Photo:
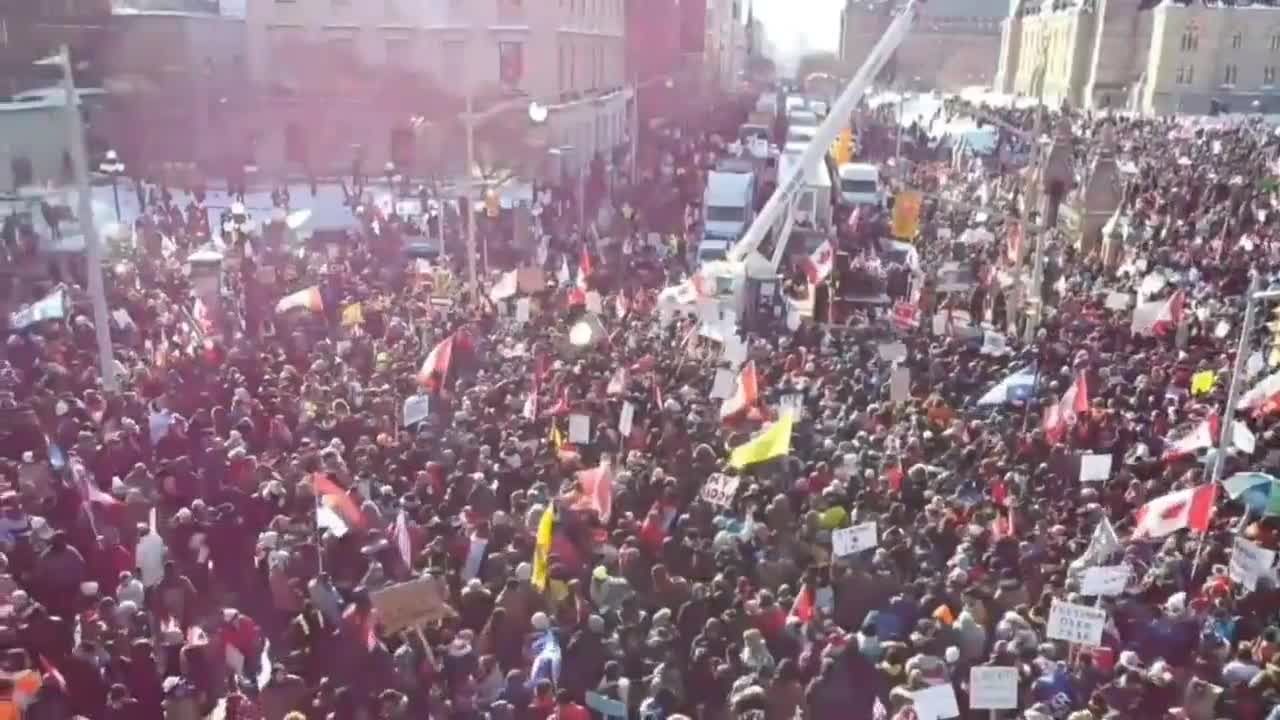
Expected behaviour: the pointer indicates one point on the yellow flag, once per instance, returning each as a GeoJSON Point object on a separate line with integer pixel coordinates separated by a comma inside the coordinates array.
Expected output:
{"type": "Point", "coordinates": [1202, 382]}
{"type": "Point", "coordinates": [906, 214]}
{"type": "Point", "coordinates": [542, 548]}
{"type": "Point", "coordinates": [557, 438]}
{"type": "Point", "coordinates": [774, 442]}
{"type": "Point", "coordinates": [353, 314]}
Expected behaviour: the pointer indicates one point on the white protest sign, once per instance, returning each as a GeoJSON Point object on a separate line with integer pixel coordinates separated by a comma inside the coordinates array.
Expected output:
{"type": "Point", "coordinates": [416, 409]}
{"type": "Point", "coordinates": [722, 386]}
{"type": "Point", "coordinates": [595, 305]}
{"type": "Point", "coordinates": [935, 703]}
{"type": "Point", "coordinates": [1118, 301]}
{"type": "Point", "coordinates": [1249, 561]}
{"type": "Point", "coordinates": [900, 385]}
{"type": "Point", "coordinates": [1095, 467]}
{"type": "Point", "coordinates": [523, 308]}
{"type": "Point", "coordinates": [1107, 581]}
{"type": "Point", "coordinates": [720, 489]}
{"type": "Point", "coordinates": [794, 403]}
{"type": "Point", "coordinates": [892, 351]}
{"type": "Point", "coordinates": [1075, 623]}
{"type": "Point", "coordinates": [847, 541]}
{"type": "Point", "coordinates": [993, 688]}
{"type": "Point", "coordinates": [734, 350]}
{"type": "Point", "coordinates": [579, 429]}
{"type": "Point", "coordinates": [625, 418]}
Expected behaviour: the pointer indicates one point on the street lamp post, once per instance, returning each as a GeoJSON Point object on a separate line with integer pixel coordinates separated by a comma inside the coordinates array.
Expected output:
{"type": "Point", "coordinates": [112, 166]}
{"type": "Point", "coordinates": [92, 247]}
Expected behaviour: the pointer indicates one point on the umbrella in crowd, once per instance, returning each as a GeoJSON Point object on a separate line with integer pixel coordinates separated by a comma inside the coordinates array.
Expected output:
{"type": "Point", "coordinates": [975, 478]}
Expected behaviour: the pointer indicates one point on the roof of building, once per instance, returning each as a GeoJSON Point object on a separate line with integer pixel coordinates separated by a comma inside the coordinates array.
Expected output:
{"type": "Point", "coordinates": [977, 9]}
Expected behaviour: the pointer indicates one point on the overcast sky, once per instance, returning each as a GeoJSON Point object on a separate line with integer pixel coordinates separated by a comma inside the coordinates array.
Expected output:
{"type": "Point", "coordinates": [796, 26]}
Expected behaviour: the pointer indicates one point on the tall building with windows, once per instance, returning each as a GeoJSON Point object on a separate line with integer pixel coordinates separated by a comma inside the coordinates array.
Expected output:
{"type": "Point", "coordinates": [1150, 56]}
{"type": "Point", "coordinates": [419, 58]}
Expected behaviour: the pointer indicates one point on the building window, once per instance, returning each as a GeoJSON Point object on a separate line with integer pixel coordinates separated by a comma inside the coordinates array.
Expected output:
{"type": "Point", "coordinates": [295, 144]}
{"type": "Point", "coordinates": [510, 63]}
{"type": "Point", "coordinates": [1190, 40]}
{"type": "Point", "coordinates": [1229, 76]}
{"type": "Point", "coordinates": [399, 52]}
{"type": "Point", "coordinates": [1269, 75]}
{"type": "Point", "coordinates": [1237, 40]}
{"type": "Point", "coordinates": [1275, 43]}
{"type": "Point", "coordinates": [402, 147]}
{"type": "Point", "coordinates": [454, 54]}
{"type": "Point", "coordinates": [23, 172]}
{"type": "Point", "coordinates": [1186, 74]}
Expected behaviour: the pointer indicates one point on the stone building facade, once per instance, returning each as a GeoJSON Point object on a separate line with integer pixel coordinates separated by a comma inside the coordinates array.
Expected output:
{"type": "Point", "coordinates": [955, 44]}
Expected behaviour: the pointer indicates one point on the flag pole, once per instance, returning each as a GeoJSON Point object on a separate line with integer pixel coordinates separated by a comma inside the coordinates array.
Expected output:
{"type": "Point", "coordinates": [1214, 471]}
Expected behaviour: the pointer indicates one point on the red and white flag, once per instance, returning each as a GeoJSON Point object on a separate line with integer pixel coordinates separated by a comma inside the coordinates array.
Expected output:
{"type": "Point", "coordinates": [401, 534]}
{"type": "Point", "coordinates": [906, 316]}
{"type": "Point", "coordinates": [1158, 317]}
{"type": "Point", "coordinates": [1191, 508]}
{"type": "Point", "coordinates": [1060, 416]}
{"type": "Point", "coordinates": [819, 264]}
{"type": "Point", "coordinates": [335, 508]}
{"type": "Point", "coordinates": [436, 367]}
{"type": "Point", "coordinates": [618, 383]}
{"type": "Point", "coordinates": [744, 396]}
{"type": "Point", "coordinates": [595, 490]}
{"type": "Point", "coordinates": [1263, 398]}
{"type": "Point", "coordinates": [308, 299]}
{"type": "Point", "coordinates": [1203, 436]}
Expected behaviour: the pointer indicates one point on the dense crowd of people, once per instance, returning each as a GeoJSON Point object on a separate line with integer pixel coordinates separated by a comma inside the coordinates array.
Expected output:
{"type": "Point", "coordinates": [578, 530]}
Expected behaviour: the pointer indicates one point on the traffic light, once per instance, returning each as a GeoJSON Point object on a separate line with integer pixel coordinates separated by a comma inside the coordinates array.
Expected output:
{"type": "Point", "coordinates": [842, 147]}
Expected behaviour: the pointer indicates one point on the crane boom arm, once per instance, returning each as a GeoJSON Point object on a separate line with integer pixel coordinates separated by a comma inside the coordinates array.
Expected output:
{"type": "Point", "coordinates": [785, 192]}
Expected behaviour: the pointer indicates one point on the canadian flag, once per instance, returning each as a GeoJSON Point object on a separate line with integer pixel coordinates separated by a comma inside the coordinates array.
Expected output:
{"type": "Point", "coordinates": [1190, 508]}
{"type": "Point", "coordinates": [401, 534]}
{"type": "Point", "coordinates": [1203, 436]}
{"type": "Point", "coordinates": [1158, 317]}
{"type": "Point", "coordinates": [744, 396]}
{"type": "Point", "coordinates": [1063, 414]}
{"type": "Point", "coordinates": [1263, 398]}
{"type": "Point", "coordinates": [308, 299]}
{"type": "Point", "coordinates": [819, 264]}
{"type": "Point", "coordinates": [436, 367]}
{"type": "Point", "coordinates": [584, 268]}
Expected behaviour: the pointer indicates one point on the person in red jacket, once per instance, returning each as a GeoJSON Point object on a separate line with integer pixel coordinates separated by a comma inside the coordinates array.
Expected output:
{"type": "Point", "coordinates": [567, 709]}
{"type": "Point", "coordinates": [241, 633]}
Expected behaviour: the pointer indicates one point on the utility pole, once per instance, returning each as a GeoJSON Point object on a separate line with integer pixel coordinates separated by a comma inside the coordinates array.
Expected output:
{"type": "Point", "coordinates": [470, 125]}
{"type": "Point", "coordinates": [92, 248]}
{"type": "Point", "coordinates": [1252, 300]}
{"type": "Point", "coordinates": [635, 131]}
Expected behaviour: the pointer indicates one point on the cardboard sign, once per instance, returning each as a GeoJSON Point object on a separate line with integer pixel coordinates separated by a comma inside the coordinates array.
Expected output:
{"type": "Point", "coordinates": [900, 385]}
{"type": "Point", "coordinates": [935, 703]}
{"type": "Point", "coordinates": [625, 418]}
{"type": "Point", "coordinates": [1074, 623]}
{"type": "Point", "coordinates": [1106, 581]}
{"type": "Point", "coordinates": [993, 688]}
{"type": "Point", "coordinates": [847, 541]}
{"type": "Point", "coordinates": [1095, 467]}
{"type": "Point", "coordinates": [522, 310]}
{"type": "Point", "coordinates": [1250, 561]}
{"type": "Point", "coordinates": [579, 429]}
{"type": "Point", "coordinates": [416, 409]}
{"type": "Point", "coordinates": [722, 386]}
{"type": "Point", "coordinates": [720, 489]}
{"type": "Point", "coordinates": [530, 280]}
{"type": "Point", "coordinates": [411, 603]}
